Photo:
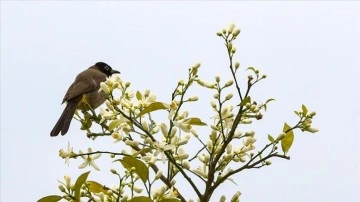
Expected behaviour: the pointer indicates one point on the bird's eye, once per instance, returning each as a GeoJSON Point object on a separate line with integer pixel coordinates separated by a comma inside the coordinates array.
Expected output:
{"type": "Point", "coordinates": [107, 68]}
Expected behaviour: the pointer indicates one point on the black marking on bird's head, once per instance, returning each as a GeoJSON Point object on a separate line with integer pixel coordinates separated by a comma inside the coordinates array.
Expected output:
{"type": "Point", "coordinates": [106, 69]}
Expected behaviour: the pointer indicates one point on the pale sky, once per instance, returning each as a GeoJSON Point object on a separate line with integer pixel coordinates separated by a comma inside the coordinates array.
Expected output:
{"type": "Point", "coordinates": [309, 51]}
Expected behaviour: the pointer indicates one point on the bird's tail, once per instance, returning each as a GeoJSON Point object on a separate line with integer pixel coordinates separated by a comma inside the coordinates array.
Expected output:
{"type": "Point", "coordinates": [64, 121]}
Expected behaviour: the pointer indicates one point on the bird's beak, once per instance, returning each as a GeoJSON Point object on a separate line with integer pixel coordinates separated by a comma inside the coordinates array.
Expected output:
{"type": "Point", "coordinates": [114, 72]}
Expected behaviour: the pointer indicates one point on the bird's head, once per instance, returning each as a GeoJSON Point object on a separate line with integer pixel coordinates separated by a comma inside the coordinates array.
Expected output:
{"type": "Point", "coordinates": [106, 69]}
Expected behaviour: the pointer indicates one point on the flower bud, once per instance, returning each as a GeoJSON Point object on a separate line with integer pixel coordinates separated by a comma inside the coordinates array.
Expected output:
{"type": "Point", "coordinates": [173, 131]}
{"type": "Point", "coordinates": [237, 134]}
{"type": "Point", "coordinates": [109, 105]}
{"type": "Point", "coordinates": [210, 144]}
{"type": "Point", "coordinates": [164, 129]}
{"type": "Point", "coordinates": [246, 121]}
{"type": "Point", "coordinates": [67, 181]}
{"type": "Point", "coordinates": [250, 133]}
{"type": "Point", "coordinates": [219, 33]}
{"type": "Point", "coordinates": [229, 148]}
{"type": "Point", "coordinates": [186, 164]}
{"type": "Point", "coordinates": [281, 136]}
{"type": "Point", "coordinates": [229, 96]}
{"type": "Point", "coordinates": [231, 27]}
{"type": "Point", "coordinates": [252, 107]}
{"type": "Point", "coordinates": [61, 187]}
{"type": "Point", "coordinates": [235, 198]}
{"type": "Point", "coordinates": [312, 129]}
{"type": "Point", "coordinates": [193, 99]}
{"type": "Point", "coordinates": [137, 189]}
{"type": "Point", "coordinates": [194, 133]}
{"type": "Point", "coordinates": [236, 32]}
{"type": "Point", "coordinates": [233, 50]}
{"type": "Point", "coordinates": [113, 171]}
{"type": "Point", "coordinates": [229, 83]}
{"type": "Point", "coordinates": [197, 65]}
{"type": "Point", "coordinates": [213, 103]}
{"type": "Point", "coordinates": [230, 45]}
{"type": "Point", "coordinates": [158, 174]}
{"type": "Point", "coordinates": [217, 79]}
{"type": "Point", "coordinates": [237, 65]}
{"type": "Point", "coordinates": [132, 143]}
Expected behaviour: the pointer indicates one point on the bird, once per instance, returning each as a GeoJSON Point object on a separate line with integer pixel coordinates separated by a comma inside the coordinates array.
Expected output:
{"type": "Point", "coordinates": [83, 94]}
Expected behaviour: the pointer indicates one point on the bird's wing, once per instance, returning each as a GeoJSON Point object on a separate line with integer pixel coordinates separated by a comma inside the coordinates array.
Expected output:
{"type": "Point", "coordinates": [85, 82]}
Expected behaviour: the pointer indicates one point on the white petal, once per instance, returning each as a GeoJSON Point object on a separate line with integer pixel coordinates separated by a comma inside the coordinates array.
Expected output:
{"type": "Point", "coordinates": [83, 165]}
{"type": "Point", "coordinates": [93, 164]}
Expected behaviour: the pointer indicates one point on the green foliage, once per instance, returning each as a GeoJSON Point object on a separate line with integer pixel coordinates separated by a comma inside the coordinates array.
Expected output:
{"type": "Point", "coordinates": [289, 138]}
{"type": "Point", "coordinates": [153, 107]}
{"type": "Point", "coordinates": [81, 180]}
{"type": "Point", "coordinates": [194, 121]}
{"type": "Point", "coordinates": [96, 187]}
{"type": "Point", "coordinates": [141, 199]}
{"type": "Point", "coordinates": [139, 167]}
{"type": "Point", "coordinates": [271, 139]}
{"type": "Point", "coordinates": [51, 198]}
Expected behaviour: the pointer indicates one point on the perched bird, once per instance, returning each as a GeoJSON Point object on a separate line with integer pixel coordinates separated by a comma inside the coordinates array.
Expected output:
{"type": "Point", "coordinates": [83, 94]}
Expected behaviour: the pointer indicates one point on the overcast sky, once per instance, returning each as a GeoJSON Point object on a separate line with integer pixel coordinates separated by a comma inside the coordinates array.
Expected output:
{"type": "Point", "coordinates": [309, 50]}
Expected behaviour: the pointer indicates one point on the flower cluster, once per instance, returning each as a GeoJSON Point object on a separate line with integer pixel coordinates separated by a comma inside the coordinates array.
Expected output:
{"type": "Point", "coordinates": [227, 147]}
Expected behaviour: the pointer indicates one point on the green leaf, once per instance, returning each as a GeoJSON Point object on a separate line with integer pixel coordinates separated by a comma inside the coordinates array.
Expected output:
{"type": "Point", "coordinates": [96, 187]}
{"type": "Point", "coordinates": [289, 138]}
{"type": "Point", "coordinates": [141, 199]}
{"type": "Point", "coordinates": [170, 200]}
{"type": "Point", "coordinates": [304, 110]}
{"type": "Point", "coordinates": [79, 182]}
{"type": "Point", "coordinates": [140, 167]}
{"type": "Point", "coordinates": [86, 122]}
{"type": "Point", "coordinates": [153, 107]}
{"type": "Point", "coordinates": [297, 113]}
{"type": "Point", "coordinates": [138, 95]}
{"type": "Point", "coordinates": [252, 69]}
{"type": "Point", "coordinates": [51, 198]}
{"type": "Point", "coordinates": [245, 100]}
{"type": "Point", "coordinates": [115, 123]}
{"type": "Point", "coordinates": [194, 121]}
{"type": "Point", "coordinates": [269, 100]}
{"type": "Point", "coordinates": [270, 138]}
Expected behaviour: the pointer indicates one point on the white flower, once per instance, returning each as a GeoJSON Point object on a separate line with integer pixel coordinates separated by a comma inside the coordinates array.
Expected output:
{"type": "Point", "coordinates": [161, 147]}
{"type": "Point", "coordinates": [118, 137]}
{"type": "Point", "coordinates": [173, 193]}
{"type": "Point", "coordinates": [104, 87]}
{"type": "Point", "coordinates": [106, 115]}
{"type": "Point", "coordinates": [226, 115]}
{"type": "Point", "coordinates": [89, 160]}
{"type": "Point", "coordinates": [202, 171]}
{"type": "Point", "coordinates": [146, 99]}
{"type": "Point", "coordinates": [66, 154]}
{"type": "Point", "coordinates": [183, 126]}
